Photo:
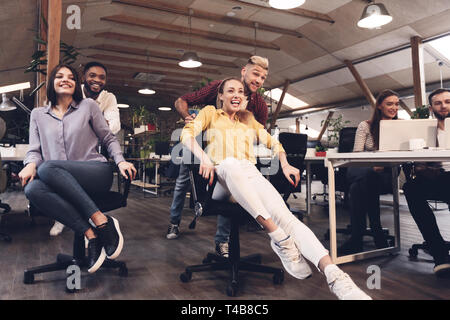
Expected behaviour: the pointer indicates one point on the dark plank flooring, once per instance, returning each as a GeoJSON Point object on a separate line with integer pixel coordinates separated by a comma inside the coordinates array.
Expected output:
{"type": "Point", "coordinates": [155, 263]}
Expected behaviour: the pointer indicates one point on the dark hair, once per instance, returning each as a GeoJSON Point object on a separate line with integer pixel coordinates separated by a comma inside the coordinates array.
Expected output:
{"type": "Point", "coordinates": [94, 64]}
{"type": "Point", "coordinates": [51, 94]}
{"type": "Point", "coordinates": [374, 122]}
{"type": "Point", "coordinates": [243, 115]}
{"type": "Point", "coordinates": [435, 92]}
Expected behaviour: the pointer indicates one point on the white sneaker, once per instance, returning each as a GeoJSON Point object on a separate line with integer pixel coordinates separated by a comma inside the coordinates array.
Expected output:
{"type": "Point", "coordinates": [56, 229]}
{"type": "Point", "coordinates": [292, 260]}
{"type": "Point", "coordinates": [343, 286]}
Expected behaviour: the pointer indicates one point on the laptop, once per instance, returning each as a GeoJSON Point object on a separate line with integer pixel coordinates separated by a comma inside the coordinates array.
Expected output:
{"type": "Point", "coordinates": [395, 134]}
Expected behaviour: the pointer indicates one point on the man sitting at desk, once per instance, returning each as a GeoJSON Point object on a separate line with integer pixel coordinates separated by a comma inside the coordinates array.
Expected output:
{"type": "Point", "coordinates": [430, 182]}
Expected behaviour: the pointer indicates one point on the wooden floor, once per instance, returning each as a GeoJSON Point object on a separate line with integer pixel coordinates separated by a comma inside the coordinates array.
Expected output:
{"type": "Point", "coordinates": [155, 263]}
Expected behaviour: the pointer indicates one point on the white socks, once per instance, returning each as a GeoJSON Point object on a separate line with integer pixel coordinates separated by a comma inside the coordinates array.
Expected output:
{"type": "Point", "coordinates": [278, 235]}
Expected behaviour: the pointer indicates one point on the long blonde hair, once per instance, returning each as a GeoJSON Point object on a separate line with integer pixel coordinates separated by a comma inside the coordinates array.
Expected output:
{"type": "Point", "coordinates": [243, 115]}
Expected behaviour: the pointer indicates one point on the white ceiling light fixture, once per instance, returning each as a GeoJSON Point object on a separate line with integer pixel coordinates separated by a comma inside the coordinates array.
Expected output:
{"type": "Point", "coordinates": [165, 108]}
{"type": "Point", "coordinates": [190, 58]}
{"type": "Point", "coordinates": [7, 105]}
{"type": "Point", "coordinates": [123, 105]}
{"type": "Point", "coordinates": [147, 90]}
{"type": "Point", "coordinates": [374, 15]}
{"type": "Point", "coordinates": [15, 87]}
{"type": "Point", "coordinates": [285, 4]}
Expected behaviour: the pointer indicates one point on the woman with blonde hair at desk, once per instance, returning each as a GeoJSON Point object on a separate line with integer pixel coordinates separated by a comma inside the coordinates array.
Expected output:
{"type": "Point", "coordinates": [366, 184]}
{"type": "Point", "coordinates": [230, 132]}
{"type": "Point", "coordinates": [63, 169]}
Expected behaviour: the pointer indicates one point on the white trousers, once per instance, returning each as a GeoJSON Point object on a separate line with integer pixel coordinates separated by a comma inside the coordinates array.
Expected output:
{"type": "Point", "coordinates": [243, 181]}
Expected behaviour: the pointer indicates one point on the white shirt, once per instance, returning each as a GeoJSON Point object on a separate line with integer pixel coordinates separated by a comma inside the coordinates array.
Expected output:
{"type": "Point", "coordinates": [441, 142]}
{"type": "Point", "coordinates": [107, 103]}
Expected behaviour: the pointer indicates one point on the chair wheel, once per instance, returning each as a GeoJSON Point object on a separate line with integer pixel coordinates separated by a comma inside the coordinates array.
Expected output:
{"type": "Point", "coordinates": [232, 289]}
{"type": "Point", "coordinates": [186, 276]}
{"type": "Point", "coordinates": [278, 278]}
{"type": "Point", "coordinates": [413, 252]}
{"type": "Point", "coordinates": [28, 278]}
{"type": "Point", "coordinates": [123, 271]}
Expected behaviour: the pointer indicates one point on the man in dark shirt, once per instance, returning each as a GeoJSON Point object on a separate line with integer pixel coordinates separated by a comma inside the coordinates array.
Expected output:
{"type": "Point", "coordinates": [253, 75]}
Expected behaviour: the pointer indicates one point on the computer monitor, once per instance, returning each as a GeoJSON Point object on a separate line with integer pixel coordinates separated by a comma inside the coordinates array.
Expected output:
{"type": "Point", "coordinates": [396, 134]}
{"type": "Point", "coordinates": [162, 148]}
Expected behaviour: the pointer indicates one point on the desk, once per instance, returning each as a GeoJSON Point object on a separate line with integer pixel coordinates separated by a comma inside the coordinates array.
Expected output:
{"type": "Point", "coordinates": [142, 184]}
{"type": "Point", "coordinates": [309, 159]}
{"type": "Point", "coordinates": [387, 159]}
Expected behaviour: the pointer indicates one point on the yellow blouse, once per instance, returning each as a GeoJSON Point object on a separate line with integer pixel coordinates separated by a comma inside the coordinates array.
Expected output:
{"type": "Point", "coordinates": [226, 138]}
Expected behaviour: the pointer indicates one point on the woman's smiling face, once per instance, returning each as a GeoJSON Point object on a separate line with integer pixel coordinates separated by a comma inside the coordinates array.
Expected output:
{"type": "Point", "coordinates": [64, 82]}
{"type": "Point", "coordinates": [389, 107]}
{"type": "Point", "coordinates": [232, 96]}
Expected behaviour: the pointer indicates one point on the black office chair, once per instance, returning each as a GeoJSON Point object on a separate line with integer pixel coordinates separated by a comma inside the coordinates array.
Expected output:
{"type": "Point", "coordinates": [204, 205]}
{"type": "Point", "coordinates": [295, 145]}
{"type": "Point", "coordinates": [414, 250]}
{"type": "Point", "coordinates": [346, 143]}
{"type": "Point", "coordinates": [107, 202]}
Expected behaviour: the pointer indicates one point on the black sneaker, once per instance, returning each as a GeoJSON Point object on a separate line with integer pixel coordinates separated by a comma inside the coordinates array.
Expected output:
{"type": "Point", "coordinates": [442, 267]}
{"type": "Point", "coordinates": [173, 231]}
{"type": "Point", "coordinates": [351, 246]}
{"type": "Point", "coordinates": [222, 249]}
{"type": "Point", "coordinates": [96, 255]}
{"type": "Point", "coordinates": [111, 237]}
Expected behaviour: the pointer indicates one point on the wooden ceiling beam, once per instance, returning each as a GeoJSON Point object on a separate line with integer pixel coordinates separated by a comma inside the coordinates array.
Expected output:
{"type": "Point", "coordinates": [186, 32]}
{"type": "Point", "coordinates": [362, 84]}
{"type": "Point", "coordinates": [418, 70]}
{"type": "Point", "coordinates": [105, 57]}
{"type": "Point", "coordinates": [296, 11]}
{"type": "Point", "coordinates": [204, 15]}
{"type": "Point", "coordinates": [171, 44]}
{"type": "Point", "coordinates": [112, 75]}
{"type": "Point", "coordinates": [144, 69]}
{"type": "Point", "coordinates": [138, 83]}
{"type": "Point", "coordinates": [158, 54]}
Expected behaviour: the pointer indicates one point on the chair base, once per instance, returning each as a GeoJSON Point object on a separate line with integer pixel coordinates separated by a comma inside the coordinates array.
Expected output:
{"type": "Point", "coordinates": [251, 263]}
{"type": "Point", "coordinates": [414, 250]}
{"type": "Point", "coordinates": [63, 261]}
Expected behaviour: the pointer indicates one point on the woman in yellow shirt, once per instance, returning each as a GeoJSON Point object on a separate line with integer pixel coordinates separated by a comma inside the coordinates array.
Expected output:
{"type": "Point", "coordinates": [229, 154]}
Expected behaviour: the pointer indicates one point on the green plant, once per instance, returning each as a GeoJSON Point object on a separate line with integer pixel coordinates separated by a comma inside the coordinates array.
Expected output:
{"type": "Point", "coordinates": [421, 112]}
{"type": "Point", "coordinates": [202, 83]}
{"type": "Point", "coordinates": [141, 116]}
{"type": "Point", "coordinates": [39, 61]}
{"type": "Point", "coordinates": [320, 148]}
{"type": "Point", "coordinates": [335, 125]}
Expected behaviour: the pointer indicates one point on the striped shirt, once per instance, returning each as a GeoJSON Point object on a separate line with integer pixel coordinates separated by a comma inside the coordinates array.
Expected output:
{"type": "Point", "coordinates": [363, 138]}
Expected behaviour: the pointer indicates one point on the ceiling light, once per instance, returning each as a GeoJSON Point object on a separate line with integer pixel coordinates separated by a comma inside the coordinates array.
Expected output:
{"type": "Point", "coordinates": [165, 108]}
{"type": "Point", "coordinates": [190, 60]}
{"type": "Point", "coordinates": [285, 4]}
{"type": "Point", "coordinates": [6, 104]}
{"type": "Point", "coordinates": [15, 87]}
{"type": "Point", "coordinates": [123, 106]}
{"type": "Point", "coordinates": [374, 16]}
{"type": "Point", "coordinates": [146, 91]}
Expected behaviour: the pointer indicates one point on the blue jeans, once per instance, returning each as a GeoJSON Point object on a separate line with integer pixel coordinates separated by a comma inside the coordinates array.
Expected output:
{"type": "Point", "coordinates": [63, 190]}
{"type": "Point", "coordinates": [182, 185]}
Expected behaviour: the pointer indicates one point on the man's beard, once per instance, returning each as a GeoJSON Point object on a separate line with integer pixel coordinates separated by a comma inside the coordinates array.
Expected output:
{"type": "Point", "coordinates": [440, 116]}
{"type": "Point", "coordinates": [89, 92]}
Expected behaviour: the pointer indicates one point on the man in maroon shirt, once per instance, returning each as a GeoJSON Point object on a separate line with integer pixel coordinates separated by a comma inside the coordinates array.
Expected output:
{"type": "Point", "coordinates": [253, 75]}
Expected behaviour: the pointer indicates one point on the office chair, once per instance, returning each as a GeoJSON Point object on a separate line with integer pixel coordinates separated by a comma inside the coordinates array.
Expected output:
{"type": "Point", "coordinates": [107, 202]}
{"type": "Point", "coordinates": [414, 250]}
{"type": "Point", "coordinates": [295, 145]}
{"type": "Point", "coordinates": [346, 143]}
{"type": "Point", "coordinates": [205, 205]}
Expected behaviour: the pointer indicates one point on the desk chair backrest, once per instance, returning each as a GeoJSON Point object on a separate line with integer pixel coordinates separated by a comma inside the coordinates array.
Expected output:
{"type": "Point", "coordinates": [346, 139]}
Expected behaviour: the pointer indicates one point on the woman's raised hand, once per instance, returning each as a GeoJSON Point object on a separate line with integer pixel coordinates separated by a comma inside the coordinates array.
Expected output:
{"type": "Point", "coordinates": [289, 171]}
{"type": "Point", "coordinates": [207, 169]}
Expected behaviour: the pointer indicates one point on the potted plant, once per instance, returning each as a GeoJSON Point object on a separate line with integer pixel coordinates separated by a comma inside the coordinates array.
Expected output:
{"type": "Point", "coordinates": [335, 125]}
{"type": "Point", "coordinates": [421, 112]}
{"type": "Point", "coordinates": [321, 151]}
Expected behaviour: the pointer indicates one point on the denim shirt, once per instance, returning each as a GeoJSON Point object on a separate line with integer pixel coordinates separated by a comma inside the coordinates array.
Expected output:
{"type": "Point", "coordinates": [74, 137]}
